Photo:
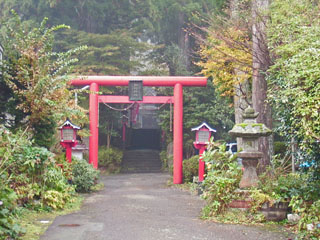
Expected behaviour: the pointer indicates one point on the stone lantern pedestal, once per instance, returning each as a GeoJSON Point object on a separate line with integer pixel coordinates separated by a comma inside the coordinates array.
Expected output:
{"type": "Point", "coordinates": [250, 131]}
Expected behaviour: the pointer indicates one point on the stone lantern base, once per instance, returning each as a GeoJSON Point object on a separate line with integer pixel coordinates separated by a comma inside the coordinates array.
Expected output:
{"type": "Point", "coordinates": [249, 177]}
{"type": "Point", "coordinates": [250, 161]}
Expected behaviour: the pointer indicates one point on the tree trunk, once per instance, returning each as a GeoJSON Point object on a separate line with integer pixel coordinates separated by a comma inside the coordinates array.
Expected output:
{"type": "Point", "coordinates": [183, 41]}
{"type": "Point", "coordinates": [261, 62]}
{"type": "Point", "coordinates": [239, 96]}
{"type": "Point", "coordinates": [240, 104]}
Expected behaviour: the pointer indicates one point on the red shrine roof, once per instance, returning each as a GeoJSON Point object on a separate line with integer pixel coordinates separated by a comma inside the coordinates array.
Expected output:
{"type": "Point", "coordinates": [69, 123]}
{"type": "Point", "coordinates": [204, 124]}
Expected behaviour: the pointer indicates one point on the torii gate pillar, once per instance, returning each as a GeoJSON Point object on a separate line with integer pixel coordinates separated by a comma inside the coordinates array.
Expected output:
{"type": "Point", "coordinates": [94, 124]}
{"type": "Point", "coordinates": [178, 134]}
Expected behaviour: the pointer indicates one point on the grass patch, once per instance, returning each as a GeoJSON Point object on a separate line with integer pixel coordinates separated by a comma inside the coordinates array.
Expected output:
{"type": "Point", "coordinates": [245, 217]}
{"type": "Point", "coordinates": [36, 223]}
{"type": "Point", "coordinates": [189, 187]}
{"type": "Point", "coordinates": [234, 216]}
{"type": "Point", "coordinates": [186, 187]}
{"type": "Point", "coordinates": [98, 187]}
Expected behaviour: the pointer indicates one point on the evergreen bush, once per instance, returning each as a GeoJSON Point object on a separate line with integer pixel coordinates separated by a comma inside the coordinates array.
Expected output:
{"type": "Point", "coordinates": [84, 175]}
{"type": "Point", "coordinates": [110, 158]}
{"type": "Point", "coordinates": [190, 168]}
{"type": "Point", "coordinates": [8, 227]}
{"type": "Point", "coordinates": [222, 179]}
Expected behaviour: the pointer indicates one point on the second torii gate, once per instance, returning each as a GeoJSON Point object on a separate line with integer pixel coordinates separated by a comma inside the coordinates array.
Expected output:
{"type": "Point", "coordinates": [176, 82]}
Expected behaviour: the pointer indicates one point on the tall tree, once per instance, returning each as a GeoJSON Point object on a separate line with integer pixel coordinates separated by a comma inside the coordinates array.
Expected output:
{"type": "Point", "coordinates": [241, 88]}
{"type": "Point", "coordinates": [172, 23]}
{"type": "Point", "coordinates": [227, 56]}
{"type": "Point", "coordinates": [236, 54]}
{"type": "Point", "coordinates": [37, 77]}
{"type": "Point", "coordinates": [110, 29]}
{"type": "Point", "coordinates": [261, 63]}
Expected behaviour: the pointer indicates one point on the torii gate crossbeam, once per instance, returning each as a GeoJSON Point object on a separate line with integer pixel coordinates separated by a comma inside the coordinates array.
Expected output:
{"type": "Point", "coordinates": [125, 99]}
{"type": "Point", "coordinates": [177, 100]}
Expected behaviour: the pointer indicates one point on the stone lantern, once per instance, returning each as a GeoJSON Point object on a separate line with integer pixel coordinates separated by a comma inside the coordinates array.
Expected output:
{"type": "Point", "coordinates": [250, 131]}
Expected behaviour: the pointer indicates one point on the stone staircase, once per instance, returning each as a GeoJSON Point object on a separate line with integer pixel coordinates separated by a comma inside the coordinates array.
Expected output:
{"type": "Point", "coordinates": [141, 161]}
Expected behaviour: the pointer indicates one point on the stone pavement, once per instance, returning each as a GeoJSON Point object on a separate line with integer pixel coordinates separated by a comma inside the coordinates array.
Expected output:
{"type": "Point", "coordinates": [142, 207]}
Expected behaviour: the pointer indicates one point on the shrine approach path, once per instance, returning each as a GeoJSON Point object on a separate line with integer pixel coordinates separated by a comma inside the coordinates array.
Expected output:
{"type": "Point", "coordinates": [143, 207]}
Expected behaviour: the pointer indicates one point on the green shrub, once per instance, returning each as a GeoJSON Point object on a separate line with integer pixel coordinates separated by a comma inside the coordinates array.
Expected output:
{"type": "Point", "coordinates": [84, 175]}
{"type": "Point", "coordinates": [36, 160]}
{"type": "Point", "coordinates": [190, 168]}
{"type": "Point", "coordinates": [8, 228]}
{"type": "Point", "coordinates": [55, 199]}
{"type": "Point", "coordinates": [310, 214]}
{"type": "Point", "coordinates": [55, 179]}
{"type": "Point", "coordinates": [223, 177]}
{"type": "Point", "coordinates": [29, 177]}
{"type": "Point", "coordinates": [64, 166]}
{"type": "Point", "coordinates": [110, 158]}
{"type": "Point", "coordinates": [165, 160]}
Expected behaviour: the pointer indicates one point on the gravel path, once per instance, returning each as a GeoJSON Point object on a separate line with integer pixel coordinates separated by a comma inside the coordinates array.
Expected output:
{"type": "Point", "coordinates": [142, 207]}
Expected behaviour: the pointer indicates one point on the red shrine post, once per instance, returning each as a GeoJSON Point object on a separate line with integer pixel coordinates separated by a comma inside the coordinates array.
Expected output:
{"type": "Point", "coordinates": [203, 135]}
{"type": "Point", "coordinates": [177, 82]}
{"type": "Point", "coordinates": [68, 137]}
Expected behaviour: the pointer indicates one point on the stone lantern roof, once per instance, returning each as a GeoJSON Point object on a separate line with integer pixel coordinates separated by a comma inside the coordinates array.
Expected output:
{"type": "Point", "coordinates": [250, 128]}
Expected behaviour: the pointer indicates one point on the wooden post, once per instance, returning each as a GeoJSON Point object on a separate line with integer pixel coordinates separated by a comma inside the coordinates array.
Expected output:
{"type": "Point", "coordinates": [69, 153]}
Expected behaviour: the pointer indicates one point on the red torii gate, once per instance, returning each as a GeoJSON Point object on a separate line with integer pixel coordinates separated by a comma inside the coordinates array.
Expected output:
{"type": "Point", "coordinates": [176, 82]}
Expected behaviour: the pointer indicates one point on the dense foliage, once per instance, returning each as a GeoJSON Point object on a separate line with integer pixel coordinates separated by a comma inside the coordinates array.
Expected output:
{"type": "Point", "coordinates": [8, 227]}
{"type": "Point", "coordinates": [33, 177]}
{"type": "Point", "coordinates": [227, 59]}
{"type": "Point", "coordinates": [277, 185]}
{"type": "Point", "coordinates": [34, 86]}
{"type": "Point", "coordinates": [294, 32]}
{"type": "Point", "coordinates": [84, 176]}
{"type": "Point", "coordinates": [223, 177]}
{"type": "Point", "coordinates": [28, 175]}
{"type": "Point", "coordinates": [293, 89]}
{"type": "Point", "coordinates": [116, 32]}
{"type": "Point", "coordinates": [36, 78]}
{"type": "Point", "coordinates": [190, 168]}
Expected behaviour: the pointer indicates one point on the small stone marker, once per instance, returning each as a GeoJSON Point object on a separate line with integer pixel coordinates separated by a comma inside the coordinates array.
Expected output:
{"type": "Point", "coordinates": [293, 218]}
